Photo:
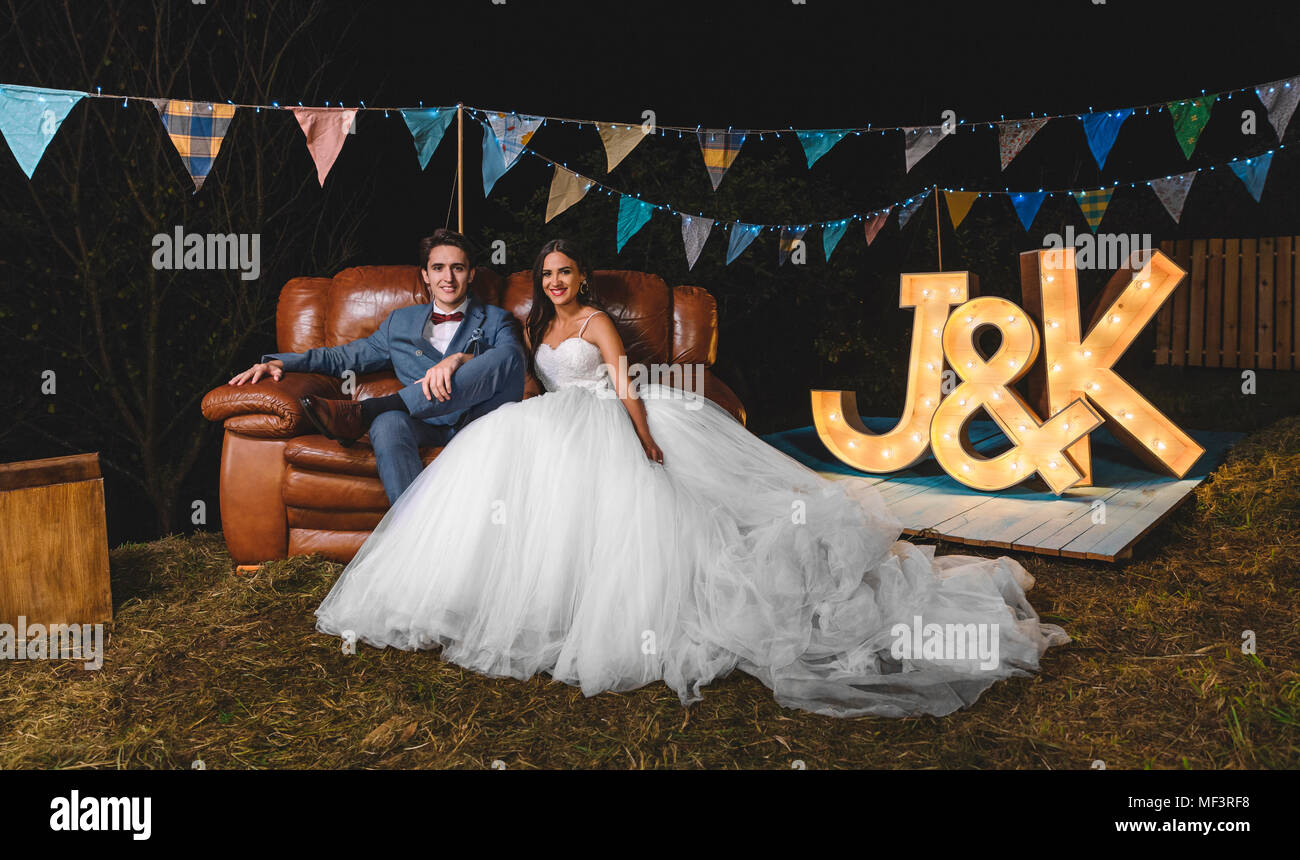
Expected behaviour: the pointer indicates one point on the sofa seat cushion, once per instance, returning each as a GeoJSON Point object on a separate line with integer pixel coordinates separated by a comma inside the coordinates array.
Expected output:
{"type": "Point", "coordinates": [318, 454]}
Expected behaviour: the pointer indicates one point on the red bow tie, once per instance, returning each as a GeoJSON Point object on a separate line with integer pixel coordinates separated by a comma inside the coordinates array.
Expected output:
{"type": "Point", "coordinates": [452, 317]}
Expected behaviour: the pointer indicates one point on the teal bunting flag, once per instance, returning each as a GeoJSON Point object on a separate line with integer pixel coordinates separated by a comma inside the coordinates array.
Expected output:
{"type": "Point", "coordinates": [29, 119]}
{"type": "Point", "coordinates": [831, 235]}
{"type": "Point", "coordinates": [1252, 172]}
{"type": "Point", "coordinates": [632, 216]}
{"type": "Point", "coordinates": [818, 143]}
{"type": "Point", "coordinates": [427, 127]}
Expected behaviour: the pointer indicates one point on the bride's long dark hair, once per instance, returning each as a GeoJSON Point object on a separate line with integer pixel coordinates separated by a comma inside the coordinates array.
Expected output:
{"type": "Point", "coordinates": [543, 309]}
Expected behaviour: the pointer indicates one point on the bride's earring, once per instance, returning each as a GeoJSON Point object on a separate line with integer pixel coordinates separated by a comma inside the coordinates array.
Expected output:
{"type": "Point", "coordinates": [584, 290]}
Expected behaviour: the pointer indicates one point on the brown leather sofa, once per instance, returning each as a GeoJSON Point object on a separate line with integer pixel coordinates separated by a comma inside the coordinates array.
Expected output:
{"type": "Point", "coordinates": [286, 490]}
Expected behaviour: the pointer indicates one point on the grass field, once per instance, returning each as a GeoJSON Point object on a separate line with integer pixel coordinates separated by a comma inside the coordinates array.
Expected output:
{"type": "Point", "coordinates": [205, 664]}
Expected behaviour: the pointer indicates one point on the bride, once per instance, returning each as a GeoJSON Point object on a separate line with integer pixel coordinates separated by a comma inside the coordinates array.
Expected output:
{"type": "Point", "coordinates": [613, 538]}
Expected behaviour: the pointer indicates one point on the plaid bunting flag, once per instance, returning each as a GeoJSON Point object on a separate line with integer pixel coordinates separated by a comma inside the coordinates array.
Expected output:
{"type": "Point", "coordinates": [196, 130]}
{"type": "Point", "coordinates": [1093, 204]}
{"type": "Point", "coordinates": [790, 237]}
{"type": "Point", "coordinates": [720, 148]}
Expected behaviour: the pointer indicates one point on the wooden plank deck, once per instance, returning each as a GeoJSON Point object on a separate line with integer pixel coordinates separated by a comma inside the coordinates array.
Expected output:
{"type": "Point", "coordinates": [1027, 517]}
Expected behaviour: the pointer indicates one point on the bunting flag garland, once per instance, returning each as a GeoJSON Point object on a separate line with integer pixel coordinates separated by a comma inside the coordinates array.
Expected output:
{"type": "Point", "coordinates": [1279, 100]}
{"type": "Point", "coordinates": [831, 235]}
{"type": "Point", "coordinates": [196, 129]}
{"type": "Point", "coordinates": [695, 232]}
{"type": "Point", "coordinates": [959, 203]}
{"type": "Point", "coordinates": [633, 213]}
{"type": "Point", "coordinates": [789, 237]}
{"type": "Point", "coordinates": [29, 119]}
{"type": "Point", "coordinates": [1101, 130]}
{"type": "Point", "coordinates": [909, 209]}
{"type": "Point", "coordinates": [504, 136]}
{"type": "Point", "coordinates": [427, 126]}
{"type": "Point", "coordinates": [1093, 204]}
{"type": "Point", "coordinates": [1189, 119]}
{"type": "Point", "coordinates": [1012, 137]}
{"type": "Point", "coordinates": [567, 188]}
{"type": "Point", "coordinates": [720, 149]}
{"type": "Point", "coordinates": [874, 223]}
{"type": "Point", "coordinates": [326, 130]}
{"type": "Point", "coordinates": [1172, 192]}
{"type": "Point", "coordinates": [1252, 172]}
{"type": "Point", "coordinates": [741, 236]}
{"type": "Point", "coordinates": [918, 141]}
{"type": "Point", "coordinates": [619, 140]}
{"type": "Point", "coordinates": [818, 143]}
{"type": "Point", "coordinates": [1026, 204]}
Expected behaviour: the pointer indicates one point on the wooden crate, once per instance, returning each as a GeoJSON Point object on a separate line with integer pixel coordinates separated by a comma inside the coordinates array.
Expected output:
{"type": "Point", "coordinates": [1237, 307]}
{"type": "Point", "coordinates": [54, 542]}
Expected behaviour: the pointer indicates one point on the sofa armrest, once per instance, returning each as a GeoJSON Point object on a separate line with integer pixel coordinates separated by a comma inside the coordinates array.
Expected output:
{"type": "Point", "coordinates": [712, 388]}
{"type": "Point", "coordinates": [269, 409]}
{"type": "Point", "coordinates": [720, 393]}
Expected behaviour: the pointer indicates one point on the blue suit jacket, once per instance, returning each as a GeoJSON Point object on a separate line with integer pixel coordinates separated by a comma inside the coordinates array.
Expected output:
{"type": "Point", "coordinates": [487, 332]}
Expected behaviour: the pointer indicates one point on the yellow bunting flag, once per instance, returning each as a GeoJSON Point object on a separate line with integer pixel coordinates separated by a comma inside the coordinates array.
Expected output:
{"type": "Point", "coordinates": [619, 140]}
{"type": "Point", "coordinates": [959, 203]}
{"type": "Point", "coordinates": [567, 188]}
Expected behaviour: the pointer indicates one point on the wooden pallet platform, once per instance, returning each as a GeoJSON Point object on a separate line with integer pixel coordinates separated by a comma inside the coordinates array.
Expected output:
{"type": "Point", "coordinates": [1028, 517]}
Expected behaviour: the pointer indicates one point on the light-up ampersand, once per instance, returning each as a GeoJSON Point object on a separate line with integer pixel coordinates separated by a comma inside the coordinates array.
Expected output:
{"type": "Point", "coordinates": [1076, 366]}
{"type": "Point", "coordinates": [835, 413]}
{"type": "Point", "coordinates": [1037, 446]}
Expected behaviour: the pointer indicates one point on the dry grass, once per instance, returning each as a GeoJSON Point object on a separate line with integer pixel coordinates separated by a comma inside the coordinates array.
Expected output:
{"type": "Point", "coordinates": [204, 664]}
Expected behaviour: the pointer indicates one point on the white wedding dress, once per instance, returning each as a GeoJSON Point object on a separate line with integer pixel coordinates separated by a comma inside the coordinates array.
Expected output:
{"type": "Point", "coordinates": [542, 539]}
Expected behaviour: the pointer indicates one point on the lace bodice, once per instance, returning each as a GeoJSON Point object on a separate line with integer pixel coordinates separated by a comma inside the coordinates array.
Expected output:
{"type": "Point", "coordinates": [574, 362]}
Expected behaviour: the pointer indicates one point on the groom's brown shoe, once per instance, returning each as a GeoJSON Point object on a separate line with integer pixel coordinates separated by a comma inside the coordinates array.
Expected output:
{"type": "Point", "coordinates": [336, 419]}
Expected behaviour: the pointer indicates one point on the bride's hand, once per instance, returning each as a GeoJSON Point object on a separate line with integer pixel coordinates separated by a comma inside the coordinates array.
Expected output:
{"type": "Point", "coordinates": [652, 451]}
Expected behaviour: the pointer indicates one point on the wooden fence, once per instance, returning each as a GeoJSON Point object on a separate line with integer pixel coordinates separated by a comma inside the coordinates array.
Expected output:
{"type": "Point", "coordinates": [1237, 306]}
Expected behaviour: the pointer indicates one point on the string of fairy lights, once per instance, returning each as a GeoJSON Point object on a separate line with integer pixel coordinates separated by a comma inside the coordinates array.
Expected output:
{"type": "Point", "coordinates": [680, 131]}
{"type": "Point", "coordinates": [865, 216]}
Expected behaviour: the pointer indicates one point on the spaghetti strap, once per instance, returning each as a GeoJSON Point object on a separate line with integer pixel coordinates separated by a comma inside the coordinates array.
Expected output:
{"type": "Point", "coordinates": [587, 320]}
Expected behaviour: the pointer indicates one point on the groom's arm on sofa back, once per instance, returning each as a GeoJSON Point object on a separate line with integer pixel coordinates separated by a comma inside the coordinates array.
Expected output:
{"type": "Point", "coordinates": [364, 355]}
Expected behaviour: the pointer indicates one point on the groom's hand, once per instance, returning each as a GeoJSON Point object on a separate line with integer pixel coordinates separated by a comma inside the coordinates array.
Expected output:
{"type": "Point", "coordinates": [273, 368]}
{"type": "Point", "coordinates": [437, 380]}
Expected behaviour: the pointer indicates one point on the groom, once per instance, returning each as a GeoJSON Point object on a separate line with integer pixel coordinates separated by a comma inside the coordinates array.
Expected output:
{"type": "Point", "coordinates": [458, 358]}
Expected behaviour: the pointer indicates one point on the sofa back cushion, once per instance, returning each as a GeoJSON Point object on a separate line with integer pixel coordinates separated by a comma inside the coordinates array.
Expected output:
{"type": "Point", "coordinates": [658, 325]}
{"type": "Point", "coordinates": [638, 302]}
{"type": "Point", "coordinates": [314, 312]}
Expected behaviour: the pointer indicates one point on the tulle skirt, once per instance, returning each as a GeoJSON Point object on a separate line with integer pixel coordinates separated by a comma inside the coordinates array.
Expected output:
{"type": "Point", "coordinates": [542, 539]}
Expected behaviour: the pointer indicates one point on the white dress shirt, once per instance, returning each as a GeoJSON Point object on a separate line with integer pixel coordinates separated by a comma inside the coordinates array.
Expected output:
{"type": "Point", "coordinates": [444, 332]}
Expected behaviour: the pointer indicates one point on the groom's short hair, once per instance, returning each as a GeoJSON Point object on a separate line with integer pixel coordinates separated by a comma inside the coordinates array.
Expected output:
{"type": "Point", "coordinates": [443, 236]}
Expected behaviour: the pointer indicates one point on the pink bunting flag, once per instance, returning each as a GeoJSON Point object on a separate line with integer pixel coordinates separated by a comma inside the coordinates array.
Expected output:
{"type": "Point", "coordinates": [1014, 134]}
{"type": "Point", "coordinates": [875, 222]}
{"type": "Point", "coordinates": [326, 130]}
